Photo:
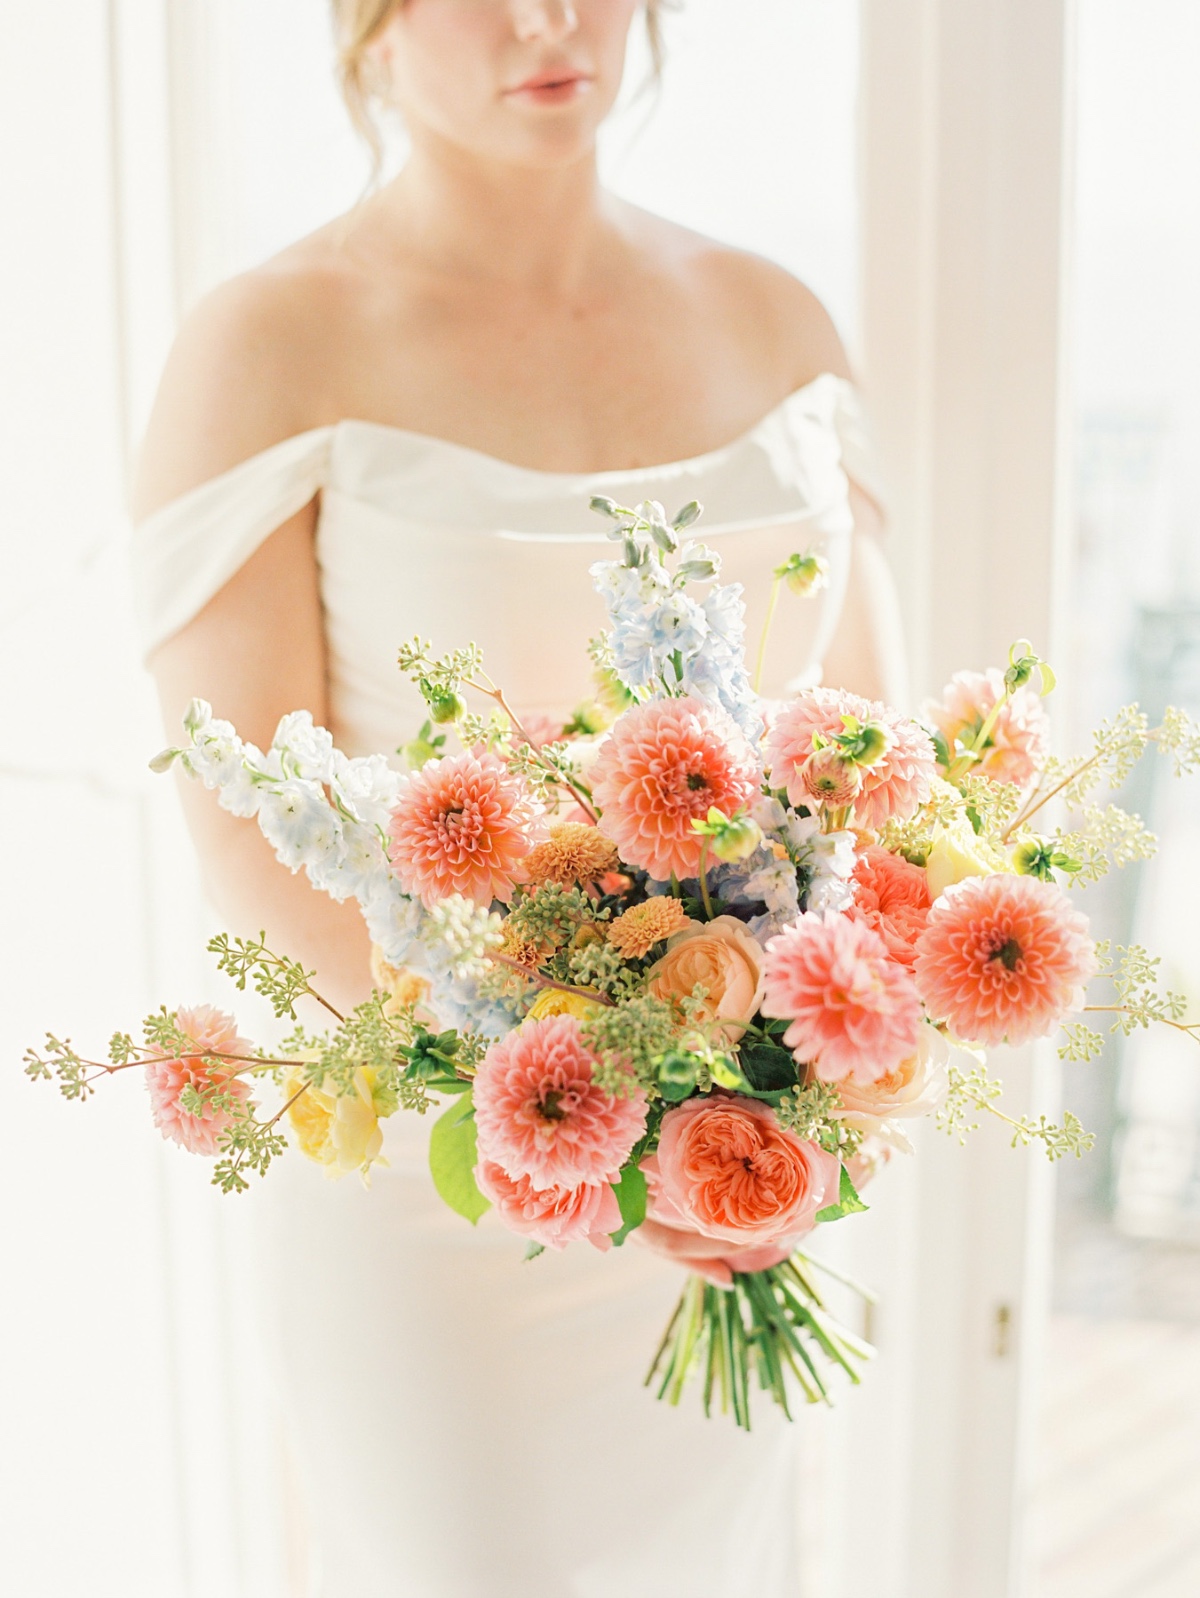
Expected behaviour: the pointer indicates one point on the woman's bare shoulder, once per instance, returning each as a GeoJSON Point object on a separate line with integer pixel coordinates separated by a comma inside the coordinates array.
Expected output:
{"type": "Point", "coordinates": [247, 369]}
{"type": "Point", "coordinates": [771, 311]}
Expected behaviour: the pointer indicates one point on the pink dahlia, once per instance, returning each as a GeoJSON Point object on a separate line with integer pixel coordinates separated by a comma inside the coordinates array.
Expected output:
{"type": "Point", "coordinates": [854, 1011]}
{"type": "Point", "coordinates": [892, 897]}
{"type": "Point", "coordinates": [894, 787]}
{"type": "Point", "coordinates": [539, 1114]}
{"type": "Point", "coordinates": [552, 1216]}
{"type": "Point", "coordinates": [1020, 741]}
{"type": "Point", "coordinates": [212, 1032]}
{"type": "Point", "coordinates": [464, 825]}
{"type": "Point", "coordinates": [1003, 959]}
{"type": "Point", "coordinates": [663, 766]}
{"type": "Point", "coordinates": [726, 1169]}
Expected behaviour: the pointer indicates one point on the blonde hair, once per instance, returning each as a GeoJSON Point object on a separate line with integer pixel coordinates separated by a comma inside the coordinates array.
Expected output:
{"type": "Point", "coordinates": [356, 24]}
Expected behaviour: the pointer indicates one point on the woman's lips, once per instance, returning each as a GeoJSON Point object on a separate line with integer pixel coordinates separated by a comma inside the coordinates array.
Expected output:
{"type": "Point", "coordinates": [551, 88]}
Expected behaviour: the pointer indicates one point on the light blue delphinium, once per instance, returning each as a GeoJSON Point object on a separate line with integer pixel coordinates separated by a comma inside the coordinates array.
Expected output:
{"type": "Point", "coordinates": [665, 641]}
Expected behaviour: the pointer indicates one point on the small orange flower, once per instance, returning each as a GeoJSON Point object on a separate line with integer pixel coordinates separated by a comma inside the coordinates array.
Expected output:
{"type": "Point", "coordinates": [637, 931]}
{"type": "Point", "coordinates": [573, 853]}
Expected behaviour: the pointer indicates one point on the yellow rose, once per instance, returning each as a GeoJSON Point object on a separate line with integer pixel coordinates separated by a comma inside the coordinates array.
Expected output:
{"type": "Point", "coordinates": [340, 1132]}
{"type": "Point", "coordinates": [957, 854]}
{"type": "Point", "coordinates": [722, 957]}
{"type": "Point", "coordinates": [402, 986]}
{"type": "Point", "coordinates": [553, 1001]}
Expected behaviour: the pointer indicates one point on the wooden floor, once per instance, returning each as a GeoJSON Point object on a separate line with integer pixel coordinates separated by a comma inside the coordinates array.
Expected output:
{"type": "Point", "coordinates": [1118, 1500]}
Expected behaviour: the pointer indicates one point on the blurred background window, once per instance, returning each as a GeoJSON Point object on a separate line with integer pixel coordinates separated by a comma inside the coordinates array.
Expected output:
{"type": "Point", "coordinates": [1119, 1491]}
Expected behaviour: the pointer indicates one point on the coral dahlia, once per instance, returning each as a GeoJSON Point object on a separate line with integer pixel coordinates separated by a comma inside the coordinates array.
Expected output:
{"type": "Point", "coordinates": [892, 897]}
{"type": "Point", "coordinates": [1020, 740]}
{"type": "Point", "coordinates": [464, 825]}
{"type": "Point", "coordinates": [552, 1216]}
{"type": "Point", "coordinates": [212, 1031]}
{"type": "Point", "coordinates": [854, 1011]}
{"type": "Point", "coordinates": [539, 1114]}
{"type": "Point", "coordinates": [893, 788]}
{"type": "Point", "coordinates": [1003, 959]}
{"type": "Point", "coordinates": [664, 765]}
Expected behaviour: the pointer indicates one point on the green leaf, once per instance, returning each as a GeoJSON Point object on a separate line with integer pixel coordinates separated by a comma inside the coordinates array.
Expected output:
{"type": "Point", "coordinates": [452, 1159]}
{"type": "Point", "coordinates": [848, 1202]}
{"type": "Point", "coordinates": [631, 1196]}
{"type": "Point", "coordinates": [769, 1069]}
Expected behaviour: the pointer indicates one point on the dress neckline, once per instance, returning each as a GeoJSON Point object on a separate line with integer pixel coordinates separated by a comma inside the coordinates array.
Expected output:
{"type": "Point", "coordinates": [501, 464]}
{"type": "Point", "coordinates": [310, 455]}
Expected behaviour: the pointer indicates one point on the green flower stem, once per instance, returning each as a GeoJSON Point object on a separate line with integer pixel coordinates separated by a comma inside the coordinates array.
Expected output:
{"type": "Point", "coordinates": [1191, 1028]}
{"type": "Point", "coordinates": [704, 893]}
{"type": "Point", "coordinates": [770, 1322]}
{"type": "Point", "coordinates": [490, 690]}
{"type": "Point", "coordinates": [1033, 804]}
{"type": "Point", "coordinates": [799, 1263]}
{"type": "Point", "coordinates": [761, 661]}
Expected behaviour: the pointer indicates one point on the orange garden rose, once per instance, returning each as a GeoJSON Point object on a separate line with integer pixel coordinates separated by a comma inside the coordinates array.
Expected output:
{"type": "Point", "coordinates": [723, 958]}
{"type": "Point", "coordinates": [726, 1169]}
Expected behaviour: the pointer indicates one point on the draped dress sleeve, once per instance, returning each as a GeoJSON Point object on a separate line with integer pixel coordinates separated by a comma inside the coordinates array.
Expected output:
{"type": "Point", "coordinates": [186, 552]}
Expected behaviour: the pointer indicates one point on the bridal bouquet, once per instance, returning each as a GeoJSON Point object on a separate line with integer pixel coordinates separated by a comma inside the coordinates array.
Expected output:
{"type": "Point", "coordinates": [684, 966]}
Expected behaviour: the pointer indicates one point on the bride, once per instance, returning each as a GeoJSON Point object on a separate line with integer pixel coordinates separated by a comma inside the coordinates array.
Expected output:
{"type": "Point", "coordinates": [392, 428]}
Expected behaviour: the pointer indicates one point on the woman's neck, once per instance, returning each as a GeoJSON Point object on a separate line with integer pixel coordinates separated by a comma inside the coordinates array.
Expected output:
{"type": "Point", "coordinates": [528, 228]}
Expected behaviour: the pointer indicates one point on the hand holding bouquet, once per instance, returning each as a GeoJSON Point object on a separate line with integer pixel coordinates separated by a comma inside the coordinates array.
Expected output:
{"type": "Point", "coordinates": [684, 965]}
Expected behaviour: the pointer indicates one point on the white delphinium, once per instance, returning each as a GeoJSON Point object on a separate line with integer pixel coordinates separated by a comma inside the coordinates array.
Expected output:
{"type": "Point", "coordinates": [305, 750]}
{"type": "Point", "coordinates": [357, 868]}
{"type": "Point", "coordinates": [392, 916]}
{"type": "Point", "coordinates": [830, 856]}
{"type": "Point", "coordinates": [320, 811]}
{"type": "Point", "coordinates": [366, 787]}
{"type": "Point", "coordinates": [300, 824]}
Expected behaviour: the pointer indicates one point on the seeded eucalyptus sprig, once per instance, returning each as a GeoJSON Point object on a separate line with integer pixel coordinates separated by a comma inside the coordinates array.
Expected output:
{"type": "Point", "coordinates": [280, 981]}
{"type": "Point", "coordinates": [976, 1092]}
{"type": "Point", "coordinates": [1138, 1001]}
{"type": "Point", "coordinates": [442, 680]}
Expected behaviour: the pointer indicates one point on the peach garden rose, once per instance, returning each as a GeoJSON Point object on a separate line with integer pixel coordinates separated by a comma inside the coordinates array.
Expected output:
{"type": "Point", "coordinates": [723, 958]}
{"type": "Point", "coordinates": [915, 1087]}
{"type": "Point", "coordinates": [726, 1169]}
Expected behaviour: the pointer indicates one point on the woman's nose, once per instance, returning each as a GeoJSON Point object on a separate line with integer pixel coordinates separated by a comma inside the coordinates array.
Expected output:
{"type": "Point", "coordinates": [544, 19]}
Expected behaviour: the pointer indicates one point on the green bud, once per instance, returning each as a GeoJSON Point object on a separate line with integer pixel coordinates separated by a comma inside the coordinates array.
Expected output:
{"type": "Point", "coordinates": [677, 1074]}
{"type": "Point", "coordinates": [603, 506]}
{"type": "Point", "coordinates": [863, 743]}
{"type": "Point", "coordinates": [164, 761]}
{"type": "Point", "coordinates": [1022, 663]}
{"type": "Point", "coordinates": [419, 753]}
{"type": "Point", "coordinates": [736, 840]}
{"type": "Point", "coordinates": [689, 514]}
{"type": "Point", "coordinates": [612, 696]}
{"type": "Point", "coordinates": [444, 705]}
{"type": "Point", "coordinates": [587, 719]}
{"type": "Point", "coordinates": [698, 571]}
{"type": "Point", "coordinates": [197, 713]}
{"type": "Point", "coordinates": [726, 1074]}
{"type": "Point", "coordinates": [1033, 858]}
{"type": "Point", "coordinates": [804, 574]}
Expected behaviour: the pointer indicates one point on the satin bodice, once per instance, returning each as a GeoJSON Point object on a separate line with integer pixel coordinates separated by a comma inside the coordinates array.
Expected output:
{"type": "Point", "coordinates": [417, 535]}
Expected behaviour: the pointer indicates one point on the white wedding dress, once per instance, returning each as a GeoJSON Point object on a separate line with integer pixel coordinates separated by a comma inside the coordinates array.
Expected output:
{"type": "Point", "coordinates": [467, 1425]}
